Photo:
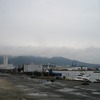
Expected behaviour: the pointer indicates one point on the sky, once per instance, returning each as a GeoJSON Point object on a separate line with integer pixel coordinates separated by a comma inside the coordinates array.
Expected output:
{"type": "Point", "coordinates": [67, 28]}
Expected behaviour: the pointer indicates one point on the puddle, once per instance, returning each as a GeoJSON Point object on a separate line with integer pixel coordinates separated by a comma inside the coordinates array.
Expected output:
{"type": "Point", "coordinates": [87, 89]}
{"type": "Point", "coordinates": [76, 86]}
{"type": "Point", "coordinates": [45, 86]}
{"type": "Point", "coordinates": [47, 83]}
{"type": "Point", "coordinates": [95, 92]}
{"type": "Point", "coordinates": [78, 93]}
{"type": "Point", "coordinates": [55, 96]}
{"type": "Point", "coordinates": [37, 94]}
{"type": "Point", "coordinates": [28, 89]}
{"type": "Point", "coordinates": [67, 90]}
{"type": "Point", "coordinates": [58, 83]}
{"type": "Point", "coordinates": [91, 89]}
{"type": "Point", "coordinates": [21, 86]}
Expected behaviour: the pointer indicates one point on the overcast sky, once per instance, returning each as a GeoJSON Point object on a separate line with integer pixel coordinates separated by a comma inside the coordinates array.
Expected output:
{"type": "Point", "coordinates": [68, 28]}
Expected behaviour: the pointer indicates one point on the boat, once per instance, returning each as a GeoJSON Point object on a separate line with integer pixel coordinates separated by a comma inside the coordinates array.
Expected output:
{"type": "Point", "coordinates": [82, 77]}
{"type": "Point", "coordinates": [97, 81]}
{"type": "Point", "coordinates": [98, 71]}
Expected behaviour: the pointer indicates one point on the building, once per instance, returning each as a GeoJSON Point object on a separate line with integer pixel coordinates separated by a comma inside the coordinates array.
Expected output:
{"type": "Point", "coordinates": [39, 68]}
{"type": "Point", "coordinates": [32, 68]}
{"type": "Point", "coordinates": [5, 61]}
{"type": "Point", "coordinates": [5, 64]}
{"type": "Point", "coordinates": [71, 68]}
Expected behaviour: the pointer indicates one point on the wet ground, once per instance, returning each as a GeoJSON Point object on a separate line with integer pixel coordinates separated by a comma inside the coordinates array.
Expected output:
{"type": "Point", "coordinates": [15, 87]}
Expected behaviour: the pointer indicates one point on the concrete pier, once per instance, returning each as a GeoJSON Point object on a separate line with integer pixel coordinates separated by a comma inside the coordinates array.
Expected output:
{"type": "Point", "coordinates": [15, 87]}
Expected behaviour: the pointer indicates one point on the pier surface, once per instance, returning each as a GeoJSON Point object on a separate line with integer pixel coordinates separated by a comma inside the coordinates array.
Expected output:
{"type": "Point", "coordinates": [15, 87]}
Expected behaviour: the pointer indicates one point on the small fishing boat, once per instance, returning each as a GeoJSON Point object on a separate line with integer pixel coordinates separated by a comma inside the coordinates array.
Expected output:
{"type": "Point", "coordinates": [82, 77]}
{"type": "Point", "coordinates": [98, 71]}
{"type": "Point", "coordinates": [97, 81]}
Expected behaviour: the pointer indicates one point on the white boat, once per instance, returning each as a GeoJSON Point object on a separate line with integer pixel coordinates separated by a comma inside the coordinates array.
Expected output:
{"type": "Point", "coordinates": [98, 80]}
{"type": "Point", "coordinates": [82, 77]}
{"type": "Point", "coordinates": [98, 71]}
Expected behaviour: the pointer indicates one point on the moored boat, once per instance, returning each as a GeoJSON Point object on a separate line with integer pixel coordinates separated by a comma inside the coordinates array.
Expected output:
{"type": "Point", "coordinates": [97, 81]}
{"type": "Point", "coordinates": [82, 77]}
{"type": "Point", "coordinates": [98, 71]}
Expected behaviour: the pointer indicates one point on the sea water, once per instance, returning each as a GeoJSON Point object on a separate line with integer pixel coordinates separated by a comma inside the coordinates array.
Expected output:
{"type": "Point", "coordinates": [72, 74]}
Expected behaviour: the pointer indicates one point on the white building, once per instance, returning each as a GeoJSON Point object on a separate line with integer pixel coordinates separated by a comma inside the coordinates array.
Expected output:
{"type": "Point", "coordinates": [77, 68]}
{"type": "Point", "coordinates": [10, 66]}
{"type": "Point", "coordinates": [5, 64]}
{"type": "Point", "coordinates": [32, 68]}
{"type": "Point", "coordinates": [71, 68]}
{"type": "Point", "coordinates": [74, 68]}
{"type": "Point", "coordinates": [1, 66]}
{"type": "Point", "coordinates": [5, 61]}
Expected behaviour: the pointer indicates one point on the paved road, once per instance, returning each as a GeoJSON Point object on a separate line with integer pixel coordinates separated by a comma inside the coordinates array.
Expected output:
{"type": "Point", "coordinates": [25, 88]}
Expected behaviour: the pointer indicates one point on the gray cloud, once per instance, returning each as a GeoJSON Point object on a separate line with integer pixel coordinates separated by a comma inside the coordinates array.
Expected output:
{"type": "Point", "coordinates": [49, 25]}
{"type": "Point", "coordinates": [90, 54]}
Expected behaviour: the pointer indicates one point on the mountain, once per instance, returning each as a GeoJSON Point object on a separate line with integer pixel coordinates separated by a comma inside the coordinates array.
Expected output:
{"type": "Point", "coordinates": [60, 61]}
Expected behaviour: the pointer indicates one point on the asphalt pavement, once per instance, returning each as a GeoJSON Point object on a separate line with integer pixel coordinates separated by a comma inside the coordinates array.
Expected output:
{"type": "Point", "coordinates": [16, 87]}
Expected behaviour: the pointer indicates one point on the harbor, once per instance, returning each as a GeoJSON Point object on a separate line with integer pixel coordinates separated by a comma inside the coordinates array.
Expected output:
{"type": "Point", "coordinates": [42, 82]}
{"type": "Point", "coordinates": [49, 50]}
{"type": "Point", "coordinates": [78, 73]}
{"type": "Point", "coordinates": [90, 75]}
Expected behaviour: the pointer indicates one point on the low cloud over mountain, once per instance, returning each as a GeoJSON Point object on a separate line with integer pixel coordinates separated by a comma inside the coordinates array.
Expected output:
{"type": "Point", "coordinates": [89, 55]}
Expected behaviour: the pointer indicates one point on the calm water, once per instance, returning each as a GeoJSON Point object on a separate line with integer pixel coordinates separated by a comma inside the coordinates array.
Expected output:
{"type": "Point", "coordinates": [73, 74]}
